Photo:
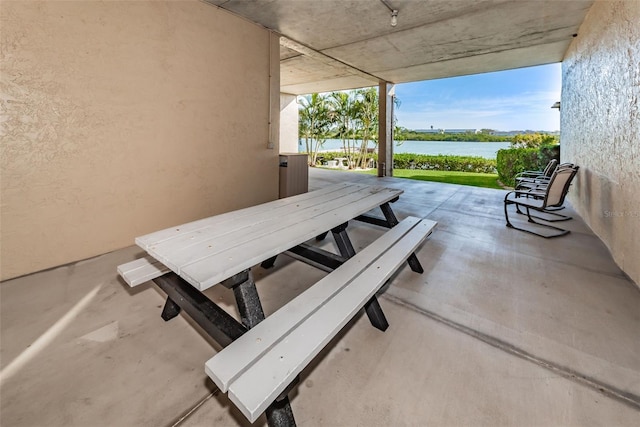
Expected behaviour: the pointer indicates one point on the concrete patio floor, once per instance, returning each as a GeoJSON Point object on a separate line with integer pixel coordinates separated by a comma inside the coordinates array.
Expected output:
{"type": "Point", "coordinates": [503, 328]}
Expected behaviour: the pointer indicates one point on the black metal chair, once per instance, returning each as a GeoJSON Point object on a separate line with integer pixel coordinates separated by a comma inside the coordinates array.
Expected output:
{"type": "Point", "coordinates": [532, 176]}
{"type": "Point", "coordinates": [544, 199]}
{"type": "Point", "coordinates": [540, 182]}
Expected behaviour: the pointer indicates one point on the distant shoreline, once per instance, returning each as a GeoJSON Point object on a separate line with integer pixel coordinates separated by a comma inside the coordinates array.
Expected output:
{"type": "Point", "coordinates": [486, 149]}
{"type": "Point", "coordinates": [486, 135]}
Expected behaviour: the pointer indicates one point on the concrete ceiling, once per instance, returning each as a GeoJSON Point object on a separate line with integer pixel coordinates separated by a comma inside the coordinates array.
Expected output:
{"type": "Point", "coordinates": [330, 45]}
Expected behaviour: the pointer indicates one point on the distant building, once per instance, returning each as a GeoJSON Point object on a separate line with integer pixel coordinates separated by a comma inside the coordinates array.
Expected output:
{"type": "Point", "coordinates": [492, 132]}
{"type": "Point", "coordinates": [506, 132]}
{"type": "Point", "coordinates": [453, 131]}
{"type": "Point", "coordinates": [524, 132]}
{"type": "Point", "coordinates": [429, 130]}
{"type": "Point", "coordinates": [461, 131]}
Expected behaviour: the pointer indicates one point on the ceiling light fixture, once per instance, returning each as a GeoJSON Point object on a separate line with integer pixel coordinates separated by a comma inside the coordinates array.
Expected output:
{"type": "Point", "coordinates": [394, 18]}
{"type": "Point", "coordinates": [394, 13]}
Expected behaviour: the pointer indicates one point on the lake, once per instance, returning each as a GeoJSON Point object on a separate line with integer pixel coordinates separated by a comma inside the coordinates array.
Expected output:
{"type": "Point", "coordinates": [487, 150]}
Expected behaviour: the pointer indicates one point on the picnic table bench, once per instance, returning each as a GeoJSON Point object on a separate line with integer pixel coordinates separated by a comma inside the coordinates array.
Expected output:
{"type": "Point", "coordinates": [263, 356]}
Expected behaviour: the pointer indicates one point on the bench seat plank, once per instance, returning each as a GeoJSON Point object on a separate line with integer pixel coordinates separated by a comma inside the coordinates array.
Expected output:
{"type": "Point", "coordinates": [258, 366]}
{"type": "Point", "coordinates": [142, 270]}
{"type": "Point", "coordinates": [231, 365]}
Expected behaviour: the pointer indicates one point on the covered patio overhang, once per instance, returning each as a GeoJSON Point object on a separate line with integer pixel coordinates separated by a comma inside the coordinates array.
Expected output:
{"type": "Point", "coordinates": [199, 81]}
{"type": "Point", "coordinates": [126, 118]}
{"type": "Point", "coordinates": [329, 45]}
{"type": "Point", "coordinates": [334, 45]}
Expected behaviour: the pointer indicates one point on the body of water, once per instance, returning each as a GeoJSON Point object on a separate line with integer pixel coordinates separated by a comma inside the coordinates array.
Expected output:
{"type": "Point", "coordinates": [481, 149]}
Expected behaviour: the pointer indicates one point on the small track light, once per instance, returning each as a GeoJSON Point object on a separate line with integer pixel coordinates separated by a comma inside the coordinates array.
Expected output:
{"type": "Point", "coordinates": [394, 18]}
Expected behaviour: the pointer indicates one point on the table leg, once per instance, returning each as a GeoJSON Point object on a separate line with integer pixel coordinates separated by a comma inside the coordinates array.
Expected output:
{"type": "Point", "coordinates": [322, 236]}
{"type": "Point", "coordinates": [247, 299]}
{"type": "Point", "coordinates": [392, 221]}
{"type": "Point", "coordinates": [268, 263]}
{"type": "Point", "coordinates": [342, 240]}
{"type": "Point", "coordinates": [372, 308]}
{"type": "Point", "coordinates": [375, 314]}
{"type": "Point", "coordinates": [279, 413]}
{"type": "Point", "coordinates": [170, 310]}
{"type": "Point", "coordinates": [216, 322]}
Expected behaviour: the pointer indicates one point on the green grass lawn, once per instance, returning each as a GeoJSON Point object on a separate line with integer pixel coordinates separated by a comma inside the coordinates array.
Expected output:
{"type": "Point", "coordinates": [486, 180]}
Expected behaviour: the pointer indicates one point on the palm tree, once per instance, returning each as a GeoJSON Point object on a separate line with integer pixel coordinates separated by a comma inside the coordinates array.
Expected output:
{"type": "Point", "coordinates": [342, 105]}
{"type": "Point", "coordinates": [350, 116]}
{"type": "Point", "coordinates": [315, 123]}
{"type": "Point", "coordinates": [367, 118]}
{"type": "Point", "coordinates": [304, 124]}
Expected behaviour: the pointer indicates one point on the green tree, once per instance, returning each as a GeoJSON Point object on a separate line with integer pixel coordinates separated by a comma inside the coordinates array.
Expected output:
{"type": "Point", "coordinates": [314, 123]}
{"type": "Point", "coordinates": [343, 115]}
{"type": "Point", "coordinates": [366, 116]}
{"type": "Point", "coordinates": [350, 116]}
{"type": "Point", "coordinates": [400, 134]}
{"type": "Point", "coordinates": [533, 140]}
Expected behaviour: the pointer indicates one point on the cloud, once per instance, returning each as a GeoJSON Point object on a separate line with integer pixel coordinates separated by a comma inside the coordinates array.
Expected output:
{"type": "Point", "coordinates": [528, 110]}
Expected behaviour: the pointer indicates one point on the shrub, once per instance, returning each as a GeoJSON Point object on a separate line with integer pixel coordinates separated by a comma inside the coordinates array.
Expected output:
{"type": "Point", "coordinates": [533, 140]}
{"type": "Point", "coordinates": [430, 162]}
{"type": "Point", "coordinates": [515, 160]}
{"type": "Point", "coordinates": [548, 152]}
{"type": "Point", "coordinates": [444, 163]}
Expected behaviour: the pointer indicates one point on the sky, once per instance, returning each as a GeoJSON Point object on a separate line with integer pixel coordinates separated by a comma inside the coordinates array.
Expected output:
{"type": "Point", "coordinates": [506, 100]}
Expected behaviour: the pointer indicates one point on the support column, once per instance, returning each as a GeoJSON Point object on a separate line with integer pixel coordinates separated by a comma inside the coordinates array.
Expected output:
{"type": "Point", "coordinates": [274, 92]}
{"type": "Point", "coordinates": [288, 123]}
{"type": "Point", "coordinates": [386, 92]}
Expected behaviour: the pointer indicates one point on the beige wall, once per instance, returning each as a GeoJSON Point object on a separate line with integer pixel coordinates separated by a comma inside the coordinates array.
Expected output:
{"type": "Point", "coordinates": [121, 118]}
{"type": "Point", "coordinates": [600, 119]}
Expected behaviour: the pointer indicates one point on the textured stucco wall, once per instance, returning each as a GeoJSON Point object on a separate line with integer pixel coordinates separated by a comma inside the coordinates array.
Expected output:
{"type": "Point", "coordinates": [600, 119]}
{"type": "Point", "coordinates": [121, 118]}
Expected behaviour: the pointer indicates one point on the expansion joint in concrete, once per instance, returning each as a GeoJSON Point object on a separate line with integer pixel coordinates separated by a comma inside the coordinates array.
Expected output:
{"type": "Point", "coordinates": [186, 414]}
{"type": "Point", "coordinates": [612, 392]}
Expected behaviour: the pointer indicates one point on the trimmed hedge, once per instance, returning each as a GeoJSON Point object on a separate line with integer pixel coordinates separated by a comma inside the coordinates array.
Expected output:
{"type": "Point", "coordinates": [430, 162]}
{"type": "Point", "coordinates": [548, 152]}
{"type": "Point", "coordinates": [512, 161]}
{"type": "Point", "coordinates": [444, 163]}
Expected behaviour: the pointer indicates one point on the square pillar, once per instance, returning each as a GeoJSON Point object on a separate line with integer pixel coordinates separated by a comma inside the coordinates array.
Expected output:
{"type": "Point", "coordinates": [386, 92]}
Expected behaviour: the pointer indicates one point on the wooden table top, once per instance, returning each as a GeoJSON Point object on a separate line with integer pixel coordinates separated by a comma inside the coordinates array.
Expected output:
{"type": "Point", "coordinates": [210, 250]}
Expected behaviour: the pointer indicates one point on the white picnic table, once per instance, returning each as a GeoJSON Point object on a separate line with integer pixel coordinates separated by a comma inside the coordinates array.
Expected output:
{"type": "Point", "coordinates": [210, 250]}
{"type": "Point", "coordinates": [190, 258]}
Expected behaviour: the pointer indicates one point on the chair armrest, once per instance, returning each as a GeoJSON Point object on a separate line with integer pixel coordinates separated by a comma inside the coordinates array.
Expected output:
{"type": "Point", "coordinates": [524, 182]}
{"type": "Point", "coordinates": [529, 174]}
{"type": "Point", "coordinates": [531, 192]}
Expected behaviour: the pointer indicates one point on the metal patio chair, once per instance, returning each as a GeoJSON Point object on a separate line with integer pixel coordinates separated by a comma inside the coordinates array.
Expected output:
{"type": "Point", "coordinates": [527, 180]}
{"type": "Point", "coordinates": [544, 199]}
{"type": "Point", "coordinates": [546, 173]}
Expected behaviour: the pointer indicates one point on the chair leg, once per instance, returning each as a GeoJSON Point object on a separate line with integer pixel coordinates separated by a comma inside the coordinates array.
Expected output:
{"type": "Point", "coordinates": [560, 217]}
{"type": "Point", "coordinates": [562, 232]}
{"type": "Point", "coordinates": [506, 212]}
{"type": "Point", "coordinates": [546, 211]}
